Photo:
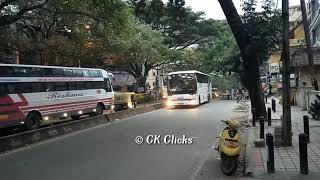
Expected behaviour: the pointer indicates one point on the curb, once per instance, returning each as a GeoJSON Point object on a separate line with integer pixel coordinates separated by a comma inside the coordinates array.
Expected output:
{"type": "Point", "coordinates": [19, 140]}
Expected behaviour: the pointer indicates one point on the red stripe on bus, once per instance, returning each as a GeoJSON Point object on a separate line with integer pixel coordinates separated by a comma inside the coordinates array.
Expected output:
{"type": "Point", "coordinates": [66, 110]}
{"type": "Point", "coordinates": [64, 104]}
{"type": "Point", "coordinates": [70, 107]}
{"type": "Point", "coordinates": [24, 100]}
{"type": "Point", "coordinates": [64, 107]}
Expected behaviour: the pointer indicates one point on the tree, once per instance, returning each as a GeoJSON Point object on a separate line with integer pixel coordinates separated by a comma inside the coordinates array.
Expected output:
{"type": "Point", "coordinates": [13, 10]}
{"type": "Point", "coordinates": [180, 26]}
{"type": "Point", "coordinates": [251, 43]}
{"type": "Point", "coordinates": [68, 32]}
{"type": "Point", "coordinates": [142, 52]}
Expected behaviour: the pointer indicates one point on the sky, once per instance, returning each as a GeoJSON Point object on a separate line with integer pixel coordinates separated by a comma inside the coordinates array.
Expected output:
{"type": "Point", "coordinates": [213, 10]}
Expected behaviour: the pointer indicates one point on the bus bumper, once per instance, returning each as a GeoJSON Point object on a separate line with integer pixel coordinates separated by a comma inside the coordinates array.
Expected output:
{"type": "Point", "coordinates": [170, 103]}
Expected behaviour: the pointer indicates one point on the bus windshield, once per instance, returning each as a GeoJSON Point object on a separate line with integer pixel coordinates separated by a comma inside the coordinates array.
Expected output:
{"type": "Point", "coordinates": [182, 84]}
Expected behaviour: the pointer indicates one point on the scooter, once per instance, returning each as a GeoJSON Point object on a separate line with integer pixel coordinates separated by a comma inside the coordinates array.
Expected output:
{"type": "Point", "coordinates": [229, 146]}
{"type": "Point", "coordinates": [315, 107]}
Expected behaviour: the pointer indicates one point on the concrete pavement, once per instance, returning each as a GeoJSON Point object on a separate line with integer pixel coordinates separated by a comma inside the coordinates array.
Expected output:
{"type": "Point", "coordinates": [287, 162]}
{"type": "Point", "coordinates": [110, 151]}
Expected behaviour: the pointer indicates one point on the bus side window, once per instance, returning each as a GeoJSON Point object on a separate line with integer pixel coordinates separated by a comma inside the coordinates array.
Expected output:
{"type": "Point", "coordinates": [38, 87]}
{"type": "Point", "coordinates": [11, 88]}
{"type": "Point", "coordinates": [72, 85]}
{"type": "Point", "coordinates": [47, 72]}
{"type": "Point", "coordinates": [81, 85]}
{"type": "Point", "coordinates": [68, 72]}
{"type": "Point", "coordinates": [3, 89]}
{"type": "Point", "coordinates": [77, 73]}
{"type": "Point", "coordinates": [6, 71]}
{"type": "Point", "coordinates": [24, 87]}
{"type": "Point", "coordinates": [22, 71]}
{"type": "Point", "coordinates": [85, 73]}
{"type": "Point", "coordinates": [93, 73]}
{"type": "Point", "coordinates": [58, 72]}
{"type": "Point", "coordinates": [61, 86]}
{"type": "Point", "coordinates": [49, 86]}
{"type": "Point", "coordinates": [107, 85]}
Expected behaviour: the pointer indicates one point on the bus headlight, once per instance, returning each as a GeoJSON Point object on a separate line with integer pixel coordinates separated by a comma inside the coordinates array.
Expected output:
{"type": "Point", "coordinates": [112, 107]}
{"type": "Point", "coordinates": [130, 105]}
{"type": "Point", "coordinates": [169, 103]}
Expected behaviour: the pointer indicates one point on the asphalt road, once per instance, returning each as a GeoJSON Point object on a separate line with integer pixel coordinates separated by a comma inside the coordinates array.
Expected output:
{"type": "Point", "coordinates": [110, 152]}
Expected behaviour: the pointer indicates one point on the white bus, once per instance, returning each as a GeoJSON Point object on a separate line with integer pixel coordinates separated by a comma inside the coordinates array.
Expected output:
{"type": "Point", "coordinates": [188, 88]}
{"type": "Point", "coordinates": [32, 95]}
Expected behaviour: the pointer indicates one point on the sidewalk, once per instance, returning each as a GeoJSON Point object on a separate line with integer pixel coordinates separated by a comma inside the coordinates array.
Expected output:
{"type": "Point", "coordinates": [287, 162]}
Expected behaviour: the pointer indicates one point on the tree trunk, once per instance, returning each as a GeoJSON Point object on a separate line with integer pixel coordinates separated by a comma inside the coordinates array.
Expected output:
{"type": "Point", "coordinates": [285, 56]}
{"type": "Point", "coordinates": [142, 82]}
{"type": "Point", "coordinates": [255, 90]}
{"type": "Point", "coordinates": [250, 76]}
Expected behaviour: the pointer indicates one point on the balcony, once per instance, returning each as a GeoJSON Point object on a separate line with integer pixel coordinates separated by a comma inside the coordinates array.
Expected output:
{"type": "Point", "coordinates": [299, 57]}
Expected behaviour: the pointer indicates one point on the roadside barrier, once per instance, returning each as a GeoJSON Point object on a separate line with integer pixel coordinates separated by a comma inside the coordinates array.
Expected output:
{"type": "Point", "coordinates": [306, 127]}
{"type": "Point", "coordinates": [303, 152]}
{"type": "Point", "coordinates": [273, 105]}
{"type": "Point", "coordinates": [253, 111]}
{"type": "Point", "coordinates": [261, 120]}
{"type": "Point", "coordinates": [269, 116]}
{"type": "Point", "coordinates": [270, 160]}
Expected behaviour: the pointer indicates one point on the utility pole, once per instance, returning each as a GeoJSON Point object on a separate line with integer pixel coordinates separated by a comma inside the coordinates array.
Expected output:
{"type": "Point", "coordinates": [286, 104]}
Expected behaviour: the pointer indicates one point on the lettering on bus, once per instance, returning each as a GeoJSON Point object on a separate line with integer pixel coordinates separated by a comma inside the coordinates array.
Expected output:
{"type": "Point", "coordinates": [57, 95]}
{"type": "Point", "coordinates": [61, 79]}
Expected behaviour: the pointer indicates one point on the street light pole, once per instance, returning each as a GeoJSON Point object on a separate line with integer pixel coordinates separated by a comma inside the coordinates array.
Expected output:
{"type": "Point", "coordinates": [286, 105]}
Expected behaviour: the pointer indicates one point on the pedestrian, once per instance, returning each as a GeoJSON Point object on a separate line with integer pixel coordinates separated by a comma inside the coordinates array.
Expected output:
{"type": "Point", "coordinates": [232, 93]}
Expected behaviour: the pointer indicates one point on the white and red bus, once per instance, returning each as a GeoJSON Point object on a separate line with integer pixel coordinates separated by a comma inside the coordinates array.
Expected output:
{"type": "Point", "coordinates": [188, 88]}
{"type": "Point", "coordinates": [31, 95]}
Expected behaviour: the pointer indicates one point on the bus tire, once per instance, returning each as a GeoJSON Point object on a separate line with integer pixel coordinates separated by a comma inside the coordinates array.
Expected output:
{"type": "Point", "coordinates": [32, 121]}
{"type": "Point", "coordinates": [100, 108]}
{"type": "Point", "coordinates": [208, 98]}
{"type": "Point", "coordinates": [199, 102]}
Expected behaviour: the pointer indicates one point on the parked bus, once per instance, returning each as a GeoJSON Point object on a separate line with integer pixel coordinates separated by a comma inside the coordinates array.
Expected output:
{"type": "Point", "coordinates": [188, 88]}
{"type": "Point", "coordinates": [32, 95]}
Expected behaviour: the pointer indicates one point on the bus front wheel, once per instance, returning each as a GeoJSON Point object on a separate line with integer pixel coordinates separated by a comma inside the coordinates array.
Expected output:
{"type": "Point", "coordinates": [32, 121]}
{"type": "Point", "coordinates": [100, 109]}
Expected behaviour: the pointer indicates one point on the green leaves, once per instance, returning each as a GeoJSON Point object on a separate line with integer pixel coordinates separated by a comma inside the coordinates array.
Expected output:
{"type": "Point", "coordinates": [180, 26]}
{"type": "Point", "coordinates": [264, 28]}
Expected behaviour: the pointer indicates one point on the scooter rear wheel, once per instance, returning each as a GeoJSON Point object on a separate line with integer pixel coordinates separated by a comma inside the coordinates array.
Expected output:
{"type": "Point", "coordinates": [228, 165]}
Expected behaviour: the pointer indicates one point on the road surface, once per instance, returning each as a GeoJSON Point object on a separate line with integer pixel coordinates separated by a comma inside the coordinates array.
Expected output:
{"type": "Point", "coordinates": [110, 151]}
